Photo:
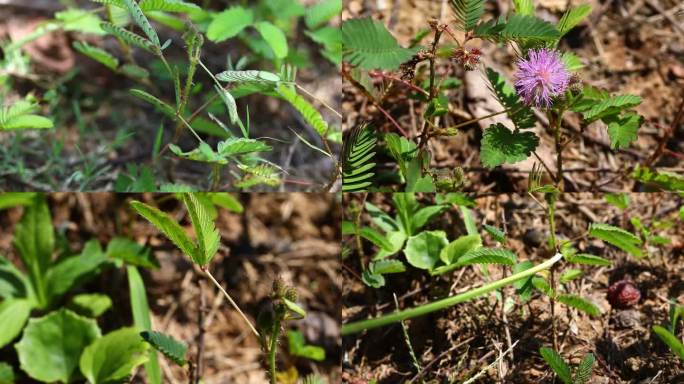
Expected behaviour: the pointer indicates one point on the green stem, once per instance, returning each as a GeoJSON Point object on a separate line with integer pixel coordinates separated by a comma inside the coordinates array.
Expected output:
{"type": "Point", "coordinates": [273, 347]}
{"type": "Point", "coordinates": [551, 203]}
{"type": "Point", "coordinates": [446, 302]}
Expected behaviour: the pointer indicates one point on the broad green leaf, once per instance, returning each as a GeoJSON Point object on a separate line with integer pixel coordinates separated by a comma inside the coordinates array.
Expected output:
{"type": "Point", "coordinates": [459, 247]}
{"type": "Point", "coordinates": [322, 12]}
{"type": "Point", "coordinates": [618, 200]}
{"type": "Point", "coordinates": [141, 319]}
{"type": "Point", "coordinates": [556, 362]}
{"type": "Point", "coordinates": [298, 347]}
{"type": "Point", "coordinates": [668, 181]}
{"type": "Point", "coordinates": [28, 122]}
{"type": "Point", "coordinates": [226, 201]}
{"type": "Point", "coordinates": [371, 279]}
{"type": "Point", "coordinates": [423, 215]}
{"type": "Point", "coordinates": [499, 145]}
{"type": "Point", "coordinates": [6, 373]}
{"type": "Point", "coordinates": [617, 237]}
{"type": "Point", "coordinates": [13, 316]}
{"type": "Point", "coordinates": [131, 253]}
{"type": "Point", "coordinates": [51, 345]}
{"type": "Point", "coordinates": [623, 130]}
{"type": "Point", "coordinates": [90, 304]}
{"type": "Point", "coordinates": [275, 38]}
{"type": "Point", "coordinates": [423, 250]}
{"type": "Point", "coordinates": [380, 218]}
{"type": "Point", "coordinates": [75, 270]}
{"type": "Point", "coordinates": [579, 303]}
{"type": "Point", "coordinates": [229, 23]}
{"type": "Point", "coordinates": [16, 199]}
{"type": "Point", "coordinates": [80, 20]}
{"type": "Point", "coordinates": [13, 283]}
{"type": "Point", "coordinates": [396, 240]}
{"type": "Point", "coordinates": [368, 45]}
{"type": "Point", "coordinates": [168, 226]}
{"type": "Point", "coordinates": [208, 237]}
{"type": "Point", "coordinates": [113, 357]}
{"type": "Point", "coordinates": [671, 340]}
{"type": "Point", "coordinates": [34, 240]}
{"type": "Point", "coordinates": [166, 344]}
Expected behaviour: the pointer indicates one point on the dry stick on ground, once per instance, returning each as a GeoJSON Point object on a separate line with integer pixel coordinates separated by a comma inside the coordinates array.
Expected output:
{"type": "Point", "coordinates": [438, 358]}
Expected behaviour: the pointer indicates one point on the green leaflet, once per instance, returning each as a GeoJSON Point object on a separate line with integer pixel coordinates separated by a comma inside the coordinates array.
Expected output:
{"type": "Point", "coordinates": [170, 347]}
{"type": "Point", "coordinates": [229, 102]}
{"type": "Point", "coordinates": [274, 37]}
{"type": "Point", "coordinates": [423, 250]}
{"type": "Point", "coordinates": [79, 20]}
{"type": "Point", "coordinates": [617, 237]}
{"type": "Point", "coordinates": [671, 340]}
{"type": "Point", "coordinates": [468, 13]}
{"type": "Point", "coordinates": [579, 303]}
{"type": "Point", "coordinates": [97, 54]}
{"type": "Point", "coordinates": [298, 347]}
{"type": "Point", "coordinates": [583, 371]}
{"type": "Point", "coordinates": [142, 21]}
{"type": "Point", "coordinates": [160, 105]}
{"type": "Point", "coordinates": [368, 45]}
{"type": "Point", "coordinates": [521, 115]}
{"type": "Point", "coordinates": [519, 28]}
{"type": "Point", "coordinates": [113, 357]}
{"type": "Point", "coordinates": [248, 77]}
{"type": "Point", "coordinates": [168, 6]}
{"type": "Point", "coordinates": [308, 112]}
{"type": "Point", "coordinates": [168, 226]}
{"type": "Point", "coordinates": [90, 304]}
{"type": "Point", "coordinates": [555, 361]}
{"type": "Point", "coordinates": [229, 23]}
{"type": "Point", "coordinates": [208, 238]}
{"type": "Point", "coordinates": [358, 153]}
{"type": "Point", "coordinates": [129, 37]}
{"type": "Point", "coordinates": [230, 147]}
{"type": "Point", "coordinates": [572, 17]}
{"type": "Point", "coordinates": [18, 116]}
{"type": "Point", "coordinates": [322, 12]}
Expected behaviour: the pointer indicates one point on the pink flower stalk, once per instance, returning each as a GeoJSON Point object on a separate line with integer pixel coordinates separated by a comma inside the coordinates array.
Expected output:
{"type": "Point", "coordinates": [541, 77]}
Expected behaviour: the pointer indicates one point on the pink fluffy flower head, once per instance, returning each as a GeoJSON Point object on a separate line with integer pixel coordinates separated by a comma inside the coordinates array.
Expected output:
{"type": "Point", "coordinates": [541, 77]}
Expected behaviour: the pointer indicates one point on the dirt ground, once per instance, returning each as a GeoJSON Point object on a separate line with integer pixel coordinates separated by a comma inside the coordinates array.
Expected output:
{"type": "Point", "coordinates": [295, 236]}
{"type": "Point", "coordinates": [454, 344]}
{"type": "Point", "coordinates": [100, 129]}
{"type": "Point", "coordinates": [632, 46]}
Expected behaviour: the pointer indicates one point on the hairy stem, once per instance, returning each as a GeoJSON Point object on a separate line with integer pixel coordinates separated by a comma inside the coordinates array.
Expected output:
{"type": "Point", "coordinates": [433, 91]}
{"type": "Point", "coordinates": [230, 299]}
{"type": "Point", "coordinates": [551, 212]}
{"type": "Point", "coordinates": [447, 302]}
{"type": "Point", "coordinates": [202, 330]}
{"type": "Point", "coordinates": [272, 349]}
{"type": "Point", "coordinates": [554, 122]}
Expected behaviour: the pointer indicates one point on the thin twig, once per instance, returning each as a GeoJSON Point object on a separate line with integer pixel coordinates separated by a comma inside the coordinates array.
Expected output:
{"type": "Point", "coordinates": [230, 299]}
{"type": "Point", "coordinates": [202, 330]}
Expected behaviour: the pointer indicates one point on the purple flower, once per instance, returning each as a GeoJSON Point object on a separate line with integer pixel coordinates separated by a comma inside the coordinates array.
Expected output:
{"type": "Point", "coordinates": [541, 77]}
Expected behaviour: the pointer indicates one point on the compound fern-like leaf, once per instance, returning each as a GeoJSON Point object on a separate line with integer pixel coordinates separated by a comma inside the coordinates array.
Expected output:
{"type": "Point", "coordinates": [468, 12]}
{"type": "Point", "coordinates": [556, 362]}
{"type": "Point", "coordinates": [160, 105]}
{"type": "Point", "coordinates": [308, 112]}
{"type": "Point", "coordinates": [617, 237]}
{"type": "Point", "coordinates": [369, 45]}
{"type": "Point", "coordinates": [142, 21]}
{"type": "Point", "coordinates": [166, 225]}
{"type": "Point", "coordinates": [358, 153]}
{"type": "Point", "coordinates": [97, 54]}
{"type": "Point", "coordinates": [129, 37]}
{"type": "Point", "coordinates": [208, 237]}
{"type": "Point", "coordinates": [521, 115]}
{"type": "Point", "coordinates": [583, 371]}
